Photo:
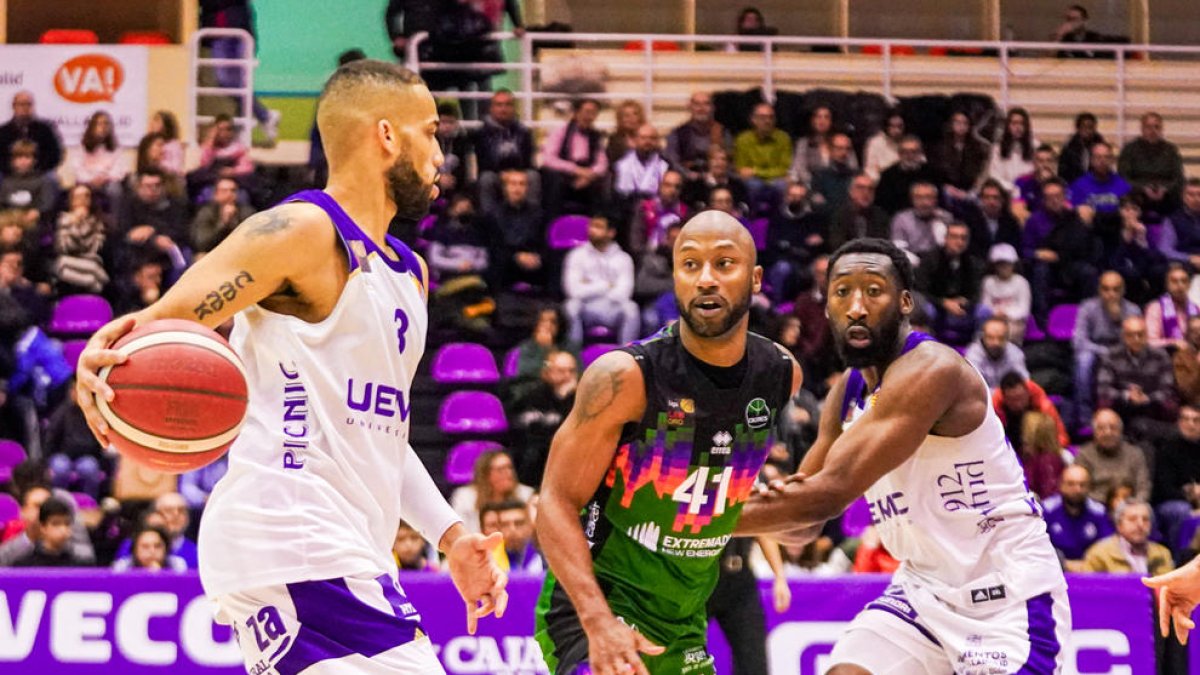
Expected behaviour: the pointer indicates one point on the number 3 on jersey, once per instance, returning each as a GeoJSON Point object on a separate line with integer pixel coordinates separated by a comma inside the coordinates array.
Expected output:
{"type": "Point", "coordinates": [692, 490]}
{"type": "Point", "coordinates": [401, 318]}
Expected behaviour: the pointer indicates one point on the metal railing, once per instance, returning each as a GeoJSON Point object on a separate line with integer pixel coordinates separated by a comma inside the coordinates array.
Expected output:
{"type": "Point", "coordinates": [891, 54]}
{"type": "Point", "coordinates": [244, 92]}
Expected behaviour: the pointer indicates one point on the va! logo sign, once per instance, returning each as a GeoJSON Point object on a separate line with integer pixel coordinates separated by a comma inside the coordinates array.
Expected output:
{"type": "Point", "coordinates": [89, 78]}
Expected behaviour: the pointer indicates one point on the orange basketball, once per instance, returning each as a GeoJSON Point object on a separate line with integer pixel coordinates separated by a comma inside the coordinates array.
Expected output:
{"type": "Point", "coordinates": [180, 398]}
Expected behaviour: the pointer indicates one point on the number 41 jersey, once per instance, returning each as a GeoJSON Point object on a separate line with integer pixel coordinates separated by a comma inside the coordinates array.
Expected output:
{"type": "Point", "coordinates": [677, 484]}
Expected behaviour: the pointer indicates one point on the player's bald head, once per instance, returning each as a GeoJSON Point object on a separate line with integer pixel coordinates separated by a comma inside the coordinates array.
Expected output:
{"type": "Point", "coordinates": [710, 228]}
{"type": "Point", "coordinates": [361, 93]}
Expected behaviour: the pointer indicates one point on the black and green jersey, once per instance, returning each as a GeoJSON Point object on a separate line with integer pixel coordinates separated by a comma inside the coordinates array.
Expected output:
{"type": "Point", "coordinates": [669, 502]}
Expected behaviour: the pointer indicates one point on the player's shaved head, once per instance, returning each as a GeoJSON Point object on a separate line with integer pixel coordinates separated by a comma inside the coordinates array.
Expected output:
{"type": "Point", "coordinates": [361, 93]}
{"type": "Point", "coordinates": [717, 227]}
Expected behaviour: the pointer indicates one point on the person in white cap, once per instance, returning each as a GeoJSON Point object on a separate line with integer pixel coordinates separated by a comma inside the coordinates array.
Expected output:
{"type": "Point", "coordinates": [1005, 292]}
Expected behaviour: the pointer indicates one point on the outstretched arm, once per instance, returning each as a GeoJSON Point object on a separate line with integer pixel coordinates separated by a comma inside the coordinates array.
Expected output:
{"type": "Point", "coordinates": [611, 394]}
{"type": "Point", "coordinates": [882, 439]}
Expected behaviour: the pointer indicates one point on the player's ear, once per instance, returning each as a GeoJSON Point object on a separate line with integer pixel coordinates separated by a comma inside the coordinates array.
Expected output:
{"type": "Point", "coordinates": [757, 276]}
{"type": "Point", "coordinates": [387, 134]}
{"type": "Point", "coordinates": [906, 302]}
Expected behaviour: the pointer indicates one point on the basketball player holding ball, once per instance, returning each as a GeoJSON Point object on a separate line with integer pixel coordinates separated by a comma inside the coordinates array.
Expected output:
{"type": "Point", "coordinates": [295, 544]}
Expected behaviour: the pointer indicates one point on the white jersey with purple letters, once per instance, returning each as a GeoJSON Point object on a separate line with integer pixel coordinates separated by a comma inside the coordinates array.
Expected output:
{"type": "Point", "coordinates": [979, 587]}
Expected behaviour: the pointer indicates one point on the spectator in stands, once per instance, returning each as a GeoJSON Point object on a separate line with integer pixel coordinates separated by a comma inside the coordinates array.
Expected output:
{"type": "Point", "coordinates": [236, 14]}
{"type": "Point", "coordinates": [75, 459]}
{"type": "Point", "coordinates": [150, 156]}
{"type": "Point", "coordinates": [1110, 459]}
{"type": "Point", "coordinates": [921, 229]}
{"type": "Point", "coordinates": [1179, 238]}
{"type": "Point", "coordinates": [1064, 255]}
{"type": "Point", "coordinates": [549, 335]}
{"type": "Point", "coordinates": [654, 286]}
{"type": "Point", "coordinates": [494, 481]}
{"type": "Point", "coordinates": [993, 355]}
{"type": "Point", "coordinates": [654, 215]}
{"type": "Point", "coordinates": [815, 151]}
{"type": "Point", "coordinates": [721, 199]}
{"type": "Point", "coordinates": [751, 22]}
{"type": "Point", "coordinates": [502, 144]}
{"type": "Point", "coordinates": [456, 147]}
{"type": "Point", "coordinates": [1005, 294]}
{"type": "Point", "coordinates": [217, 217]}
{"type": "Point", "coordinates": [574, 164]}
{"type": "Point", "coordinates": [1167, 316]}
{"type": "Point", "coordinates": [511, 518]}
{"type": "Point", "coordinates": [21, 543]}
{"type": "Point", "coordinates": [795, 234]}
{"type": "Point", "coordinates": [1186, 362]}
{"type": "Point", "coordinates": [950, 278]}
{"type": "Point", "coordinates": [196, 486]}
{"type": "Point", "coordinates": [831, 183]}
{"type": "Point", "coordinates": [24, 188]}
{"type": "Point", "coordinates": [52, 548]}
{"type": "Point", "coordinates": [630, 117]}
{"type": "Point", "coordinates": [1097, 331]}
{"type": "Point", "coordinates": [406, 18]}
{"type": "Point", "coordinates": [141, 287]}
{"type": "Point", "coordinates": [1142, 266]}
{"type": "Point", "coordinates": [149, 552]}
{"type": "Point", "coordinates": [222, 155]}
{"type": "Point", "coordinates": [152, 223]}
{"type": "Point", "coordinates": [762, 155]}
{"type": "Point", "coordinates": [1075, 158]}
{"type": "Point", "coordinates": [717, 174]}
{"type": "Point", "coordinates": [1013, 155]}
{"type": "Point", "coordinates": [860, 216]}
{"type": "Point", "coordinates": [1028, 195]}
{"type": "Point", "coordinates": [172, 509]}
{"type": "Point", "coordinates": [1177, 473]}
{"type": "Point", "coordinates": [883, 149]}
{"type": "Point", "coordinates": [637, 174]}
{"type": "Point", "coordinates": [25, 126]}
{"type": "Point", "coordinates": [961, 157]}
{"type": "Point", "coordinates": [809, 307]}
{"type": "Point", "coordinates": [1130, 550]}
{"type": "Point", "coordinates": [1017, 396]}
{"type": "Point", "coordinates": [1153, 166]}
{"type": "Point", "coordinates": [1074, 29]}
{"type": "Point", "coordinates": [78, 241]}
{"type": "Point", "coordinates": [538, 413]}
{"type": "Point", "coordinates": [992, 221]}
{"type": "Point", "coordinates": [688, 144]}
{"type": "Point", "coordinates": [896, 182]}
{"type": "Point", "coordinates": [101, 165]}
{"type": "Point", "coordinates": [1137, 381]}
{"type": "Point", "coordinates": [598, 284]}
{"type": "Point", "coordinates": [1041, 454]}
{"type": "Point", "coordinates": [164, 124]}
{"type": "Point", "coordinates": [458, 246]}
{"type": "Point", "coordinates": [412, 551]}
{"type": "Point", "coordinates": [516, 228]}
{"type": "Point", "coordinates": [1074, 520]}
{"type": "Point", "coordinates": [1099, 191]}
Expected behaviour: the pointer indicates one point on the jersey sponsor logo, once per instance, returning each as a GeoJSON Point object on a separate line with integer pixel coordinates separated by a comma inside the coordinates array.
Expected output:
{"type": "Point", "coordinates": [295, 418]}
{"type": "Point", "coordinates": [988, 594]}
{"type": "Point", "coordinates": [687, 547]}
{"type": "Point", "coordinates": [758, 413]}
{"type": "Point", "coordinates": [645, 534]}
{"type": "Point", "coordinates": [885, 509]}
{"type": "Point", "coordinates": [722, 440]}
{"type": "Point", "coordinates": [965, 487]}
{"type": "Point", "coordinates": [678, 411]}
{"type": "Point", "coordinates": [380, 403]}
{"type": "Point", "coordinates": [687, 405]}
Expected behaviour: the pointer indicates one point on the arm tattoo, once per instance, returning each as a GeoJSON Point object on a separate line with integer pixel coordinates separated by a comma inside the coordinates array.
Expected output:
{"type": "Point", "coordinates": [267, 223]}
{"type": "Point", "coordinates": [598, 395]}
{"type": "Point", "coordinates": [227, 291]}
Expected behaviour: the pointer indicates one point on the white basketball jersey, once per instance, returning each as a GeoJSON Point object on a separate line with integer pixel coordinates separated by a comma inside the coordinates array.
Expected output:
{"type": "Point", "coordinates": [958, 513]}
{"type": "Point", "coordinates": [313, 487]}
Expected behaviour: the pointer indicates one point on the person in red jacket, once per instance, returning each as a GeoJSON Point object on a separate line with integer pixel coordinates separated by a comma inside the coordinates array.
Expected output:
{"type": "Point", "coordinates": [1016, 396]}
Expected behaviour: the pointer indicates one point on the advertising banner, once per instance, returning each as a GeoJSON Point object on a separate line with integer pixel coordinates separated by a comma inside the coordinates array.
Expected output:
{"type": "Point", "coordinates": [89, 622]}
{"type": "Point", "coordinates": [70, 82]}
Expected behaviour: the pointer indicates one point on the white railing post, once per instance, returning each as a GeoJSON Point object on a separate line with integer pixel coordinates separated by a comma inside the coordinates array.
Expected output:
{"type": "Point", "coordinates": [527, 77]}
{"type": "Point", "coordinates": [769, 75]}
{"type": "Point", "coordinates": [887, 71]}
{"type": "Point", "coordinates": [1004, 77]}
{"type": "Point", "coordinates": [648, 77]}
{"type": "Point", "coordinates": [245, 64]}
{"type": "Point", "coordinates": [1121, 96]}
{"type": "Point", "coordinates": [412, 55]}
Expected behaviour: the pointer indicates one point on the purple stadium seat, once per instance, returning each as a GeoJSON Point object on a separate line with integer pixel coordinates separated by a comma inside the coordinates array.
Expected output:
{"type": "Point", "coordinates": [80, 315]}
{"type": "Point", "coordinates": [567, 232]}
{"type": "Point", "coordinates": [11, 454]}
{"type": "Point", "coordinates": [84, 501]}
{"type": "Point", "coordinates": [593, 352]}
{"type": "Point", "coordinates": [599, 333]}
{"type": "Point", "coordinates": [511, 360]}
{"type": "Point", "coordinates": [785, 308]}
{"type": "Point", "coordinates": [758, 229]}
{"type": "Point", "coordinates": [1061, 323]}
{"type": "Point", "coordinates": [460, 464]}
{"type": "Point", "coordinates": [464, 363]}
{"type": "Point", "coordinates": [71, 351]}
{"type": "Point", "coordinates": [472, 412]}
{"type": "Point", "coordinates": [10, 508]}
{"type": "Point", "coordinates": [1032, 332]}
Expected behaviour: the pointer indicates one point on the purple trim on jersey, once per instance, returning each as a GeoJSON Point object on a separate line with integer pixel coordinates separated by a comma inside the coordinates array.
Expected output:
{"type": "Point", "coordinates": [856, 384]}
{"type": "Point", "coordinates": [350, 231]}
{"type": "Point", "coordinates": [895, 594]}
{"type": "Point", "coordinates": [1043, 640]}
{"type": "Point", "coordinates": [334, 623]}
{"type": "Point", "coordinates": [905, 618]}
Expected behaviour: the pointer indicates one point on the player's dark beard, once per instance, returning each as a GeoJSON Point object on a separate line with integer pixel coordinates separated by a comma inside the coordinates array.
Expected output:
{"type": "Point", "coordinates": [737, 310]}
{"type": "Point", "coordinates": [882, 347]}
{"type": "Point", "coordinates": [410, 192]}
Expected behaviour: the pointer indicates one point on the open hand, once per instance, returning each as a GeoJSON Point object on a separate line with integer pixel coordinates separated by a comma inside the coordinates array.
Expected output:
{"type": "Point", "coordinates": [478, 579]}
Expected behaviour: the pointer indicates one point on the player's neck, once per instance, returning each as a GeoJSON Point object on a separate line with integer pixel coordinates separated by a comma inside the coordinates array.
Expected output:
{"type": "Point", "coordinates": [874, 374]}
{"type": "Point", "coordinates": [363, 198]}
{"type": "Point", "coordinates": [722, 351]}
